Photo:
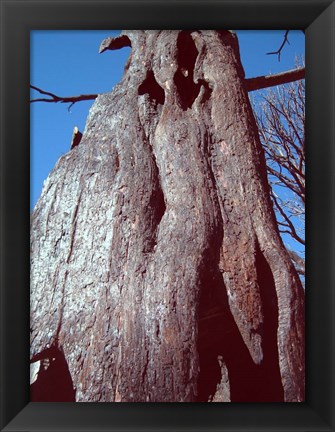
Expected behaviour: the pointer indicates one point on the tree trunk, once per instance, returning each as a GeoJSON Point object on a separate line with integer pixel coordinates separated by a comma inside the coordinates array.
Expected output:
{"type": "Point", "coordinates": [157, 270]}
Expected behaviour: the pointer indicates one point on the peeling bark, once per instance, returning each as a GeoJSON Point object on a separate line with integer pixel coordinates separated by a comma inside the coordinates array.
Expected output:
{"type": "Point", "coordinates": [154, 247]}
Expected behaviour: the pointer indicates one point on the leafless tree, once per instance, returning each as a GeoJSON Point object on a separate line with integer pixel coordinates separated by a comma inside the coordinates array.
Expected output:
{"type": "Point", "coordinates": [281, 124]}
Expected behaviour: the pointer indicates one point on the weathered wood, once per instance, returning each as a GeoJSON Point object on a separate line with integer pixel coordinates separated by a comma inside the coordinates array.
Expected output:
{"type": "Point", "coordinates": [272, 80]}
{"type": "Point", "coordinates": [158, 218]}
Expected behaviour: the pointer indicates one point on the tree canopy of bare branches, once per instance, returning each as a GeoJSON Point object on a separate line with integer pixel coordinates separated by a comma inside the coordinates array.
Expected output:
{"type": "Point", "coordinates": [281, 123]}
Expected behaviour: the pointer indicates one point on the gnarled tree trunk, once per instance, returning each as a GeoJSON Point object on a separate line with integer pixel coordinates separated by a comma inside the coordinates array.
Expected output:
{"type": "Point", "coordinates": [157, 271]}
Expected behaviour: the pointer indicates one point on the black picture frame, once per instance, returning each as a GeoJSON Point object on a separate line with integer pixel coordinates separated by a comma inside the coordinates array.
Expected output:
{"type": "Point", "coordinates": [17, 19]}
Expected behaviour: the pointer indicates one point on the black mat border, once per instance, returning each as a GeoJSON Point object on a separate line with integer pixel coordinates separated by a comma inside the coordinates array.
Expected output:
{"type": "Point", "coordinates": [17, 19]}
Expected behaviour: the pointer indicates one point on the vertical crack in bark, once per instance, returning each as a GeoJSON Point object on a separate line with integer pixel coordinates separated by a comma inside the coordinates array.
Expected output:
{"type": "Point", "coordinates": [270, 363]}
{"type": "Point", "coordinates": [208, 346]}
{"type": "Point", "coordinates": [145, 367]}
{"type": "Point", "coordinates": [61, 308]}
{"type": "Point", "coordinates": [212, 325]}
{"type": "Point", "coordinates": [290, 331]}
{"type": "Point", "coordinates": [205, 91]}
{"type": "Point", "coordinates": [74, 226]}
{"type": "Point", "coordinates": [150, 108]}
{"type": "Point", "coordinates": [187, 54]}
{"type": "Point", "coordinates": [220, 341]}
{"type": "Point", "coordinates": [156, 209]}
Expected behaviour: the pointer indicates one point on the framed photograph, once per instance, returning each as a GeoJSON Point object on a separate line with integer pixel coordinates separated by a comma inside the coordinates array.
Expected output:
{"type": "Point", "coordinates": [238, 327]}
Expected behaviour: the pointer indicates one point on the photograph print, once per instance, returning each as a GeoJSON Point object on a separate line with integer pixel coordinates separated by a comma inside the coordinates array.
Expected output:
{"type": "Point", "coordinates": [167, 227]}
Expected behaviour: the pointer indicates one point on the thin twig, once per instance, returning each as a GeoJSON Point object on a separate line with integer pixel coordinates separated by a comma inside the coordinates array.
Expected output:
{"type": "Point", "coordinates": [278, 52]}
{"type": "Point", "coordinates": [287, 223]}
{"type": "Point", "coordinates": [62, 99]}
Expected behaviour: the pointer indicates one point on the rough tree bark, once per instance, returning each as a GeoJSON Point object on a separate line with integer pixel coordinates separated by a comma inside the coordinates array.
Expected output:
{"type": "Point", "coordinates": [157, 270]}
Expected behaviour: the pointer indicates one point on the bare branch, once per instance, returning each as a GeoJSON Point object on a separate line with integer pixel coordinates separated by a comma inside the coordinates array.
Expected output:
{"type": "Point", "coordinates": [265, 81]}
{"type": "Point", "coordinates": [288, 223]}
{"type": "Point", "coordinates": [62, 99]}
{"type": "Point", "coordinates": [285, 40]}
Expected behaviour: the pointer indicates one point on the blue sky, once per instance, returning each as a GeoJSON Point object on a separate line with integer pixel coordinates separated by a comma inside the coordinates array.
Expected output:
{"type": "Point", "coordinates": [67, 63]}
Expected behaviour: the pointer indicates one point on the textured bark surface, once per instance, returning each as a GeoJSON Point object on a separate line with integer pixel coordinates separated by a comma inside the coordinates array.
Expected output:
{"type": "Point", "coordinates": [154, 247]}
